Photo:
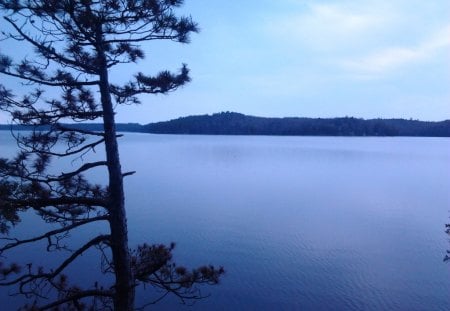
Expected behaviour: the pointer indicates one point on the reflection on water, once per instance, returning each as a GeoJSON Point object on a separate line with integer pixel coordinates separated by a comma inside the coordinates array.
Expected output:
{"type": "Point", "coordinates": [314, 223]}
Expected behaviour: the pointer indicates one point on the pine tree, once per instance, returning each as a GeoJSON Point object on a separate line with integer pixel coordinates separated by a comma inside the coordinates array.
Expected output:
{"type": "Point", "coordinates": [76, 43]}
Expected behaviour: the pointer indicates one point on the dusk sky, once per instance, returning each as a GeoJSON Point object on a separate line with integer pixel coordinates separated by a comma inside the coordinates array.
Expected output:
{"type": "Point", "coordinates": [367, 59]}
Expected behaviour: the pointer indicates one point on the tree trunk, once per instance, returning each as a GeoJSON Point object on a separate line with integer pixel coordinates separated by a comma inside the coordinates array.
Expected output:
{"type": "Point", "coordinates": [124, 298]}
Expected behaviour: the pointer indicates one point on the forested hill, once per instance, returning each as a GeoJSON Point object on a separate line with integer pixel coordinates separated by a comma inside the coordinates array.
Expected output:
{"type": "Point", "coordinates": [231, 123]}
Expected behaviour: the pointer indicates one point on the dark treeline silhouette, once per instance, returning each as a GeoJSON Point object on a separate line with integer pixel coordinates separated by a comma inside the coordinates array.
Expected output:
{"type": "Point", "coordinates": [231, 123]}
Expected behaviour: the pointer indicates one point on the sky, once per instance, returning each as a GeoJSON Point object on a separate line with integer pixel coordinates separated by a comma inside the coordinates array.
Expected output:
{"type": "Point", "coordinates": [360, 58]}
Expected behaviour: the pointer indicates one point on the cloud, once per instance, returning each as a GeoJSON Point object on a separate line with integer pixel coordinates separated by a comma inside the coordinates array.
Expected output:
{"type": "Point", "coordinates": [329, 26]}
{"type": "Point", "coordinates": [388, 59]}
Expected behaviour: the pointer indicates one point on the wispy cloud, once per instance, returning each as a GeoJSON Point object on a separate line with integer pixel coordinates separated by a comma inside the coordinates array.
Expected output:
{"type": "Point", "coordinates": [328, 26]}
{"type": "Point", "coordinates": [388, 59]}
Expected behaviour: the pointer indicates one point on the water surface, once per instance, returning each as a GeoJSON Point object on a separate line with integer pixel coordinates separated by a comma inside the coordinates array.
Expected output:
{"type": "Point", "coordinates": [318, 223]}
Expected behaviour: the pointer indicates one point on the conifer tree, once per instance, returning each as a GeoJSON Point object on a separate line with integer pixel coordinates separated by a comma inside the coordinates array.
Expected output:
{"type": "Point", "coordinates": [76, 43]}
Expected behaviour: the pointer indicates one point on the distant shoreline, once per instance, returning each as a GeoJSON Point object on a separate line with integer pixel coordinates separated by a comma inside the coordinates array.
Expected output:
{"type": "Point", "coordinates": [232, 123]}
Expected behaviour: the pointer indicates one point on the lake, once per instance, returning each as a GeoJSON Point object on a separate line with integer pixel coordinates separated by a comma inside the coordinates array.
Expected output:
{"type": "Point", "coordinates": [299, 223]}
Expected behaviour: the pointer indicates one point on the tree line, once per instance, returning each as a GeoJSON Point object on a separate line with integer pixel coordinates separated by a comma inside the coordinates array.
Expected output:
{"type": "Point", "coordinates": [231, 123]}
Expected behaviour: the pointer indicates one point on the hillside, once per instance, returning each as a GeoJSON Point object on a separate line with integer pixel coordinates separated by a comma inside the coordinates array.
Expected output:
{"type": "Point", "coordinates": [231, 123]}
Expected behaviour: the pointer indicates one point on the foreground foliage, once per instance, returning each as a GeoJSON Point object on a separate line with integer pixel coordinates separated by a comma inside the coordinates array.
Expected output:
{"type": "Point", "coordinates": [76, 44]}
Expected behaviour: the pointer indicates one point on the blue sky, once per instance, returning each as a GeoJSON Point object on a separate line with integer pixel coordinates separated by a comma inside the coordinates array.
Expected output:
{"type": "Point", "coordinates": [280, 58]}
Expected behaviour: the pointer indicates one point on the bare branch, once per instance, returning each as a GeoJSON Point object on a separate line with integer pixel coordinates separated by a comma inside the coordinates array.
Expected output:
{"type": "Point", "coordinates": [77, 296]}
{"type": "Point", "coordinates": [43, 202]}
{"type": "Point", "coordinates": [27, 278]}
{"type": "Point", "coordinates": [70, 128]}
{"type": "Point", "coordinates": [50, 53]}
{"type": "Point", "coordinates": [83, 168]}
{"type": "Point", "coordinates": [53, 232]}
{"type": "Point", "coordinates": [128, 173]}
{"type": "Point", "coordinates": [48, 82]}
{"type": "Point", "coordinates": [74, 152]}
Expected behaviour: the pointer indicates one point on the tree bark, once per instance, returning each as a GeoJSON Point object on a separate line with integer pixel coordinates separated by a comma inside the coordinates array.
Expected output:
{"type": "Point", "coordinates": [124, 297]}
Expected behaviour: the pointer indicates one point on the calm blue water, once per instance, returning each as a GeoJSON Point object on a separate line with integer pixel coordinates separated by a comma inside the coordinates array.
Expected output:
{"type": "Point", "coordinates": [300, 223]}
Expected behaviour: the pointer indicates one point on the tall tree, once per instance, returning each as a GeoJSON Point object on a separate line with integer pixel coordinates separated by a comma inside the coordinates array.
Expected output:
{"type": "Point", "coordinates": [76, 43]}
